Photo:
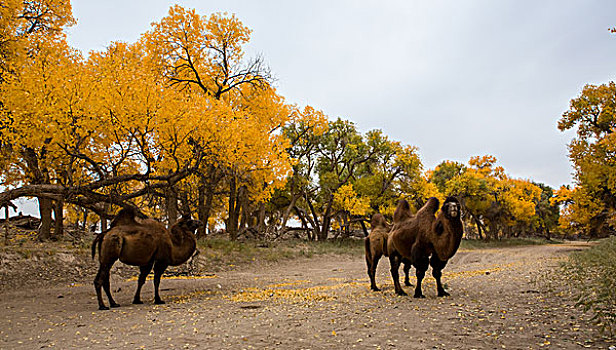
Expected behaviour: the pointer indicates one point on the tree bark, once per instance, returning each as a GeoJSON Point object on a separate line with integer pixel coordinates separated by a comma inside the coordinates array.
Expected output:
{"type": "Point", "coordinates": [232, 219]}
{"type": "Point", "coordinates": [171, 202]}
{"type": "Point", "coordinates": [104, 217]}
{"type": "Point", "coordinates": [323, 232]}
{"type": "Point", "coordinates": [85, 220]}
{"type": "Point", "coordinates": [347, 224]}
{"type": "Point", "coordinates": [302, 217]}
{"type": "Point", "coordinates": [316, 225]}
{"type": "Point", "coordinates": [59, 219]}
{"type": "Point", "coordinates": [478, 224]}
{"type": "Point", "coordinates": [207, 185]}
{"type": "Point", "coordinates": [287, 212]}
{"type": "Point", "coordinates": [243, 207]}
{"type": "Point", "coordinates": [202, 213]}
{"type": "Point", "coordinates": [261, 218]}
{"type": "Point", "coordinates": [44, 230]}
{"type": "Point", "coordinates": [6, 225]}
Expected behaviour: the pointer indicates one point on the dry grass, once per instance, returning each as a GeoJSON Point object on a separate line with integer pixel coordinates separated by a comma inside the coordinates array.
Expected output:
{"type": "Point", "coordinates": [592, 276]}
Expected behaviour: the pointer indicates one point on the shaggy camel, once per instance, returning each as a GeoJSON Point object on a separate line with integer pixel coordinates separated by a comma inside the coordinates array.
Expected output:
{"type": "Point", "coordinates": [147, 244]}
{"type": "Point", "coordinates": [376, 247]}
{"type": "Point", "coordinates": [424, 240]}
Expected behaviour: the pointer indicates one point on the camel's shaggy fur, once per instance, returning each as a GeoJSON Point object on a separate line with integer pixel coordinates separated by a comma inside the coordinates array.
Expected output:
{"type": "Point", "coordinates": [376, 247]}
{"type": "Point", "coordinates": [424, 239]}
{"type": "Point", "coordinates": [147, 244]}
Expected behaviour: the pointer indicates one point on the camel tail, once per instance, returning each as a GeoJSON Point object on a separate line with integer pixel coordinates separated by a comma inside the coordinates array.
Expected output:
{"type": "Point", "coordinates": [94, 242]}
{"type": "Point", "coordinates": [97, 240]}
{"type": "Point", "coordinates": [385, 251]}
{"type": "Point", "coordinates": [368, 251]}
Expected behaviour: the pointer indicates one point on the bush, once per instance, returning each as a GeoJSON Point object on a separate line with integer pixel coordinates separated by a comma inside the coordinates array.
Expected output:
{"type": "Point", "coordinates": [592, 276]}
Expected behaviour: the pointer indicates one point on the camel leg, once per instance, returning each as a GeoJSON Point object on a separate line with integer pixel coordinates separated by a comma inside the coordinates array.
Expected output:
{"type": "Point", "coordinates": [406, 268]}
{"type": "Point", "coordinates": [394, 262]}
{"type": "Point", "coordinates": [421, 266]}
{"type": "Point", "coordinates": [372, 272]}
{"type": "Point", "coordinates": [369, 265]}
{"type": "Point", "coordinates": [107, 289]}
{"type": "Point", "coordinates": [437, 267]}
{"type": "Point", "coordinates": [143, 275]}
{"type": "Point", "coordinates": [98, 284]}
{"type": "Point", "coordinates": [159, 269]}
{"type": "Point", "coordinates": [102, 280]}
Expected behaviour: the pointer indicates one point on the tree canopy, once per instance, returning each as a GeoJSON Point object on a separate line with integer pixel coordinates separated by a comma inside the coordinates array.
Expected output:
{"type": "Point", "coordinates": [181, 122]}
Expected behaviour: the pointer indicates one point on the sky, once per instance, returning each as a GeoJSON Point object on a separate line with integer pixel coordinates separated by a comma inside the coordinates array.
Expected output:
{"type": "Point", "coordinates": [455, 78]}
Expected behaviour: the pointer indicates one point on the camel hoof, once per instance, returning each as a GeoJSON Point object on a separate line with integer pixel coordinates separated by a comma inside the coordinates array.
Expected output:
{"type": "Point", "coordinates": [443, 294]}
{"type": "Point", "coordinates": [159, 302]}
{"type": "Point", "coordinates": [114, 305]}
{"type": "Point", "coordinates": [376, 289]}
{"type": "Point", "coordinates": [137, 301]}
{"type": "Point", "coordinates": [419, 296]}
{"type": "Point", "coordinates": [103, 307]}
{"type": "Point", "coordinates": [401, 293]}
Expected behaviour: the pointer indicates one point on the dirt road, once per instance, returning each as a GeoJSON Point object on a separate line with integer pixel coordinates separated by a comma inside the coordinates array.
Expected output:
{"type": "Point", "coordinates": [318, 303]}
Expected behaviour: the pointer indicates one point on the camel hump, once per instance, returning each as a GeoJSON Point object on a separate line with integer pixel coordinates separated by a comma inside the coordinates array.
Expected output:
{"type": "Point", "coordinates": [431, 207]}
{"type": "Point", "coordinates": [378, 220]}
{"type": "Point", "coordinates": [126, 216]}
{"type": "Point", "coordinates": [403, 211]}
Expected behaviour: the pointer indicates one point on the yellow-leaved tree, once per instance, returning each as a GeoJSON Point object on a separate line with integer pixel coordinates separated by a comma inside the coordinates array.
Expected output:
{"type": "Point", "coordinates": [495, 203]}
{"type": "Point", "coordinates": [591, 205]}
{"type": "Point", "coordinates": [143, 124]}
{"type": "Point", "coordinates": [30, 31]}
{"type": "Point", "coordinates": [204, 55]}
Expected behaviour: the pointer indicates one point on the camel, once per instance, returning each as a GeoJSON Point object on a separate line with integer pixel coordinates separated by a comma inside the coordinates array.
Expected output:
{"type": "Point", "coordinates": [376, 247]}
{"type": "Point", "coordinates": [147, 244]}
{"type": "Point", "coordinates": [425, 240]}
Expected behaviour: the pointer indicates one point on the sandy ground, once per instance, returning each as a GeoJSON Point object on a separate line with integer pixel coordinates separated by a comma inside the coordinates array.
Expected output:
{"type": "Point", "coordinates": [500, 299]}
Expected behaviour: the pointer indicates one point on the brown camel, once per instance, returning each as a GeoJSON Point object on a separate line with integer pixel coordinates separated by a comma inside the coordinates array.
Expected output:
{"type": "Point", "coordinates": [147, 244]}
{"type": "Point", "coordinates": [424, 240]}
{"type": "Point", "coordinates": [376, 247]}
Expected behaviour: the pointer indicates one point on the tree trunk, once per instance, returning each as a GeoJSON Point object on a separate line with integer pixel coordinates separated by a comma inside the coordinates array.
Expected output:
{"type": "Point", "coordinates": [59, 219]}
{"type": "Point", "coordinates": [243, 207]}
{"type": "Point", "coordinates": [104, 217]}
{"type": "Point", "coordinates": [238, 208]}
{"type": "Point", "coordinates": [326, 220]}
{"type": "Point", "coordinates": [44, 230]}
{"type": "Point", "coordinates": [6, 225]}
{"type": "Point", "coordinates": [203, 213]}
{"type": "Point", "coordinates": [171, 203]}
{"type": "Point", "coordinates": [346, 224]}
{"type": "Point", "coordinates": [478, 224]}
{"type": "Point", "coordinates": [261, 218]}
{"type": "Point", "coordinates": [232, 219]}
{"type": "Point", "coordinates": [185, 208]}
{"type": "Point", "coordinates": [85, 220]}
{"type": "Point", "coordinates": [309, 232]}
{"type": "Point", "coordinates": [207, 185]}
{"type": "Point", "coordinates": [287, 212]}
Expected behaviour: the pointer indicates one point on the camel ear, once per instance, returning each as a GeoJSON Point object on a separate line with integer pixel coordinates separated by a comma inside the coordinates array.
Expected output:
{"type": "Point", "coordinates": [439, 228]}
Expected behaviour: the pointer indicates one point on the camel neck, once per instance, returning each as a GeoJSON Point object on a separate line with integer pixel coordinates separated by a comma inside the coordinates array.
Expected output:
{"type": "Point", "coordinates": [448, 243]}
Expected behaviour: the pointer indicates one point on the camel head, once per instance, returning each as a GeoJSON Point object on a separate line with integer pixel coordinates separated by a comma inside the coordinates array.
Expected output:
{"type": "Point", "coordinates": [451, 208]}
{"type": "Point", "coordinates": [378, 221]}
{"type": "Point", "coordinates": [188, 224]}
